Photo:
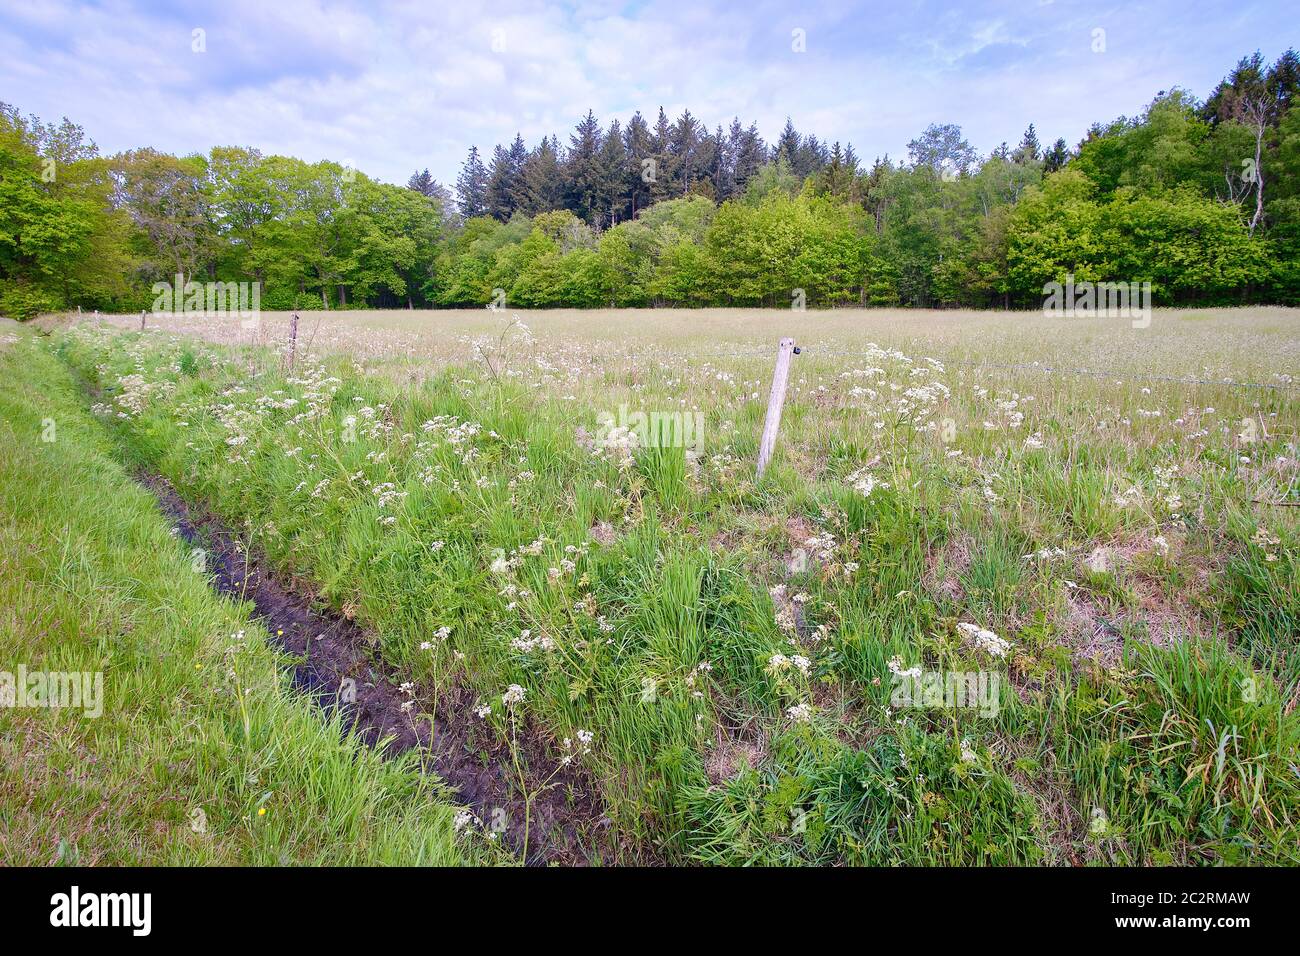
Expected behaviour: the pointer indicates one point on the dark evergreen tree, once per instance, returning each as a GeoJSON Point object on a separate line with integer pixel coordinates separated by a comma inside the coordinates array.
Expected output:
{"type": "Point", "coordinates": [749, 154]}
{"type": "Point", "coordinates": [518, 156]}
{"type": "Point", "coordinates": [813, 157]}
{"type": "Point", "coordinates": [1284, 81]}
{"type": "Point", "coordinates": [1028, 150]}
{"type": "Point", "coordinates": [722, 168]}
{"type": "Point", "coordinates": [615, 201]}
{"type": "Point", "coordinates": [472, 186]}
{"type": "Point", "coordinates": [851, 159]}
{"type": "Point", "coordinates": [543, 180]}
{"type": "Point", "coordinates": [505, 189]}
{"type": "Point", "coordinates": [838, 177]}
{"type": "Point", "coordinates": [638, 146]}
{"type": "Point", "coordinates": [582, 173]}
{"type": "Point", "coordinates": [1056, 157]}
{"type": "Point", "coordinates": [426, 185]}
{"type": "Point", "coordinates": [684, 146]}
{"type": "Point", "coordinates": [787, 146]}
{"type": "Point", "coordinates": [421, 182]}
{"type": "Point", "coordinates": [665, 167]}
{"type": "Point", "coordinates": [1247, 80]}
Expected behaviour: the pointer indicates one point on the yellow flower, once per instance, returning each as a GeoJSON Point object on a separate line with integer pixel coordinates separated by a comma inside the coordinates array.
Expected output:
{"type": "Point", "coordinates": [261, 811]}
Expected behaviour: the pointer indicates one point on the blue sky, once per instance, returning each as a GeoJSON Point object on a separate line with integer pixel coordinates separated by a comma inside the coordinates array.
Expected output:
{"type": "Point", "coordinates": [394, 86]}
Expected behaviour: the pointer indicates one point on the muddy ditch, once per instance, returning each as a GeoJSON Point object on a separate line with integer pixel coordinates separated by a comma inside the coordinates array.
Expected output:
{"type": "Point", "coordinates": [335, 665]}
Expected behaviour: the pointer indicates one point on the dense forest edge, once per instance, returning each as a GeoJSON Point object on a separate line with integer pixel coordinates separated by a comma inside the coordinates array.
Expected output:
{"type": "Point", "coordinates": [1200, 198]}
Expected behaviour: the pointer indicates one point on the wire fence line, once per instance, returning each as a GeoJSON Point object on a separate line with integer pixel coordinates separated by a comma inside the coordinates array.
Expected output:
{"type": "Point", "coordinates": [813, 351]}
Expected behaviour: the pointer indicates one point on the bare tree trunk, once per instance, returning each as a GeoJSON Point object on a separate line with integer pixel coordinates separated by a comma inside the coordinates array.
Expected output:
{"type": "Point", "coordinates": [1258, 112]}
{"type": "Point", "coordinates": [1259, 177]}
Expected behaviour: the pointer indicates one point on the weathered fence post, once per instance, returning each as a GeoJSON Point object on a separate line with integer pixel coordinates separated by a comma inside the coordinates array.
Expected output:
{"type": "Point", "coordinates": [774, 402]}
{"type": "Point", "coordinates": [143, 313]}
{"type": "Point", "coordinates": [293, 338]}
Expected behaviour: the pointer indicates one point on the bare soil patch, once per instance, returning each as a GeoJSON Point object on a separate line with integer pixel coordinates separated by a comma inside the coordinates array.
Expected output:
{"type": "Point", "coordinates": [335, 665]}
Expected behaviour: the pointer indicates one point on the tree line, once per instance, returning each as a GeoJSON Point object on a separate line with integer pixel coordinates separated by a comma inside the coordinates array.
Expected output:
{"type": "Point", "coordinates": [1200, 198]}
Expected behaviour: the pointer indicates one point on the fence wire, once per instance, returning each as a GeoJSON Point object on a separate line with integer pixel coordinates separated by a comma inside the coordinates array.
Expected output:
{"type": "Point", "coordinates": [813, 351]}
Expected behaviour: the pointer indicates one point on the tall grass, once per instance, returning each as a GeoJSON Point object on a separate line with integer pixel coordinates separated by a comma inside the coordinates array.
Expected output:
{"type": "Point", "coordinates": [203, 754]}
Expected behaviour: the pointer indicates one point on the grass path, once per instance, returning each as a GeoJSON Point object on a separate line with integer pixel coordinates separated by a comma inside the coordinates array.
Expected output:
{"type": "Point", "coordinates": [202, 755]}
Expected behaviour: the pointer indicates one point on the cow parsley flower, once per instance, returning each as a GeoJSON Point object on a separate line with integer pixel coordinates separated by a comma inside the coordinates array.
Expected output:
{"type": "Point", "coordinates": [985, 639]}
{"type": "Point", "coordinates": [799, 713]}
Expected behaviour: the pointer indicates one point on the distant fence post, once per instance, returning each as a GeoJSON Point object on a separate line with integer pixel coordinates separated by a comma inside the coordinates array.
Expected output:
{"type": "Point", "coordinates": [293, 338]}
{"type": "Point", "coordinates": [143, 313]}
{"type": "Point", "coordinates": [774, 402]}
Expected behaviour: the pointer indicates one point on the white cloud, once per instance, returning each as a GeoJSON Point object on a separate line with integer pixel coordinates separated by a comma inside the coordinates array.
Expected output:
{"type": "Point", "coordinates": [404, 85]}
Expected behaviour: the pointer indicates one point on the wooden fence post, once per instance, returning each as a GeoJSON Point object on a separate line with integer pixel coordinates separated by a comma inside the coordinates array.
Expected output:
{"type": "Point", "coordinates": [142, 315]}
{"type": "Point", "coordinates": [774, 402]}
{"type": "Point", "coordinates": [293, 338]}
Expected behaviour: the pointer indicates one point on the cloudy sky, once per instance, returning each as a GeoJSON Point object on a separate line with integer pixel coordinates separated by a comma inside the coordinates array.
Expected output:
{"type": "Point", "coordinates": [394, 86]}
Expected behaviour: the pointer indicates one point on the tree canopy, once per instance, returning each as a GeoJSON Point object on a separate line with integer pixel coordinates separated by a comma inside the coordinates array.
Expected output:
{"type": "Point", "coordinates": [1200, 198]}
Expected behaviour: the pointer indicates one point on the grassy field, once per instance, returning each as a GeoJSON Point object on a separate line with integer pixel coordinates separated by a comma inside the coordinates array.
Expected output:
{"type": "Point", "coordinates": [1097, 521]}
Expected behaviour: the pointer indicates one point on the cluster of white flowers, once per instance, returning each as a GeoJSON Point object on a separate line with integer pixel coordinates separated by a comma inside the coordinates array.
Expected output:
{"type": "Point", "coordinates": [465, 819]}
{"type": "Point", "coordinates": [908, 404]}
{"type": "Point", "coordinates": [514, 695]}
{"type": "Point", "coordinates": [619, 445]}
{"type": "Point", "coordinates": [864, 483]}
{"type": "Point", "coordinates": [1125, 498]}
{"type": "Point", "coordinates": [585, 738]}
{"type": "Point", "coordinates": [136, 393]}
{"type": "Point", "coordinates": [318, 391]}
{"type": "Point", "coordinates": [441, 634]}
{"type": "Point", "coordinates": [387, 495]}
{"type": "Point", "coordinates": [458, 436]}
{"type": "Point", "coordinates": [986, 489]}
{"type": "Point", "coordinates": [799, 713]}
{"type": "Point", "coordinates": [821, 547]}
{"type": "Point", "coordinates": [701, 669]}
{"type": "Point", "coordinates": [1045, 554]}
{"type": "Point", "coordinates": [566, 566]}
{"type": "Point", "coordinates": [896, 668]}
{"type": "Point", "coordinates": [784, 614]}
{"type": "Point", "coordinates": [1164, 479]}
{"type": "Point", "coordinates": [525, 643]}
{"type": "Point", "coordinates": [985, 639]}
{"type": "Point", "coordinates": [1006, 411]}
{"type": "Point", "coordinates": [1267, 542]}
{"type": "Point", "coordinates": [269, 402]}
{"type": "Point", "coordinates": [780, 662]}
